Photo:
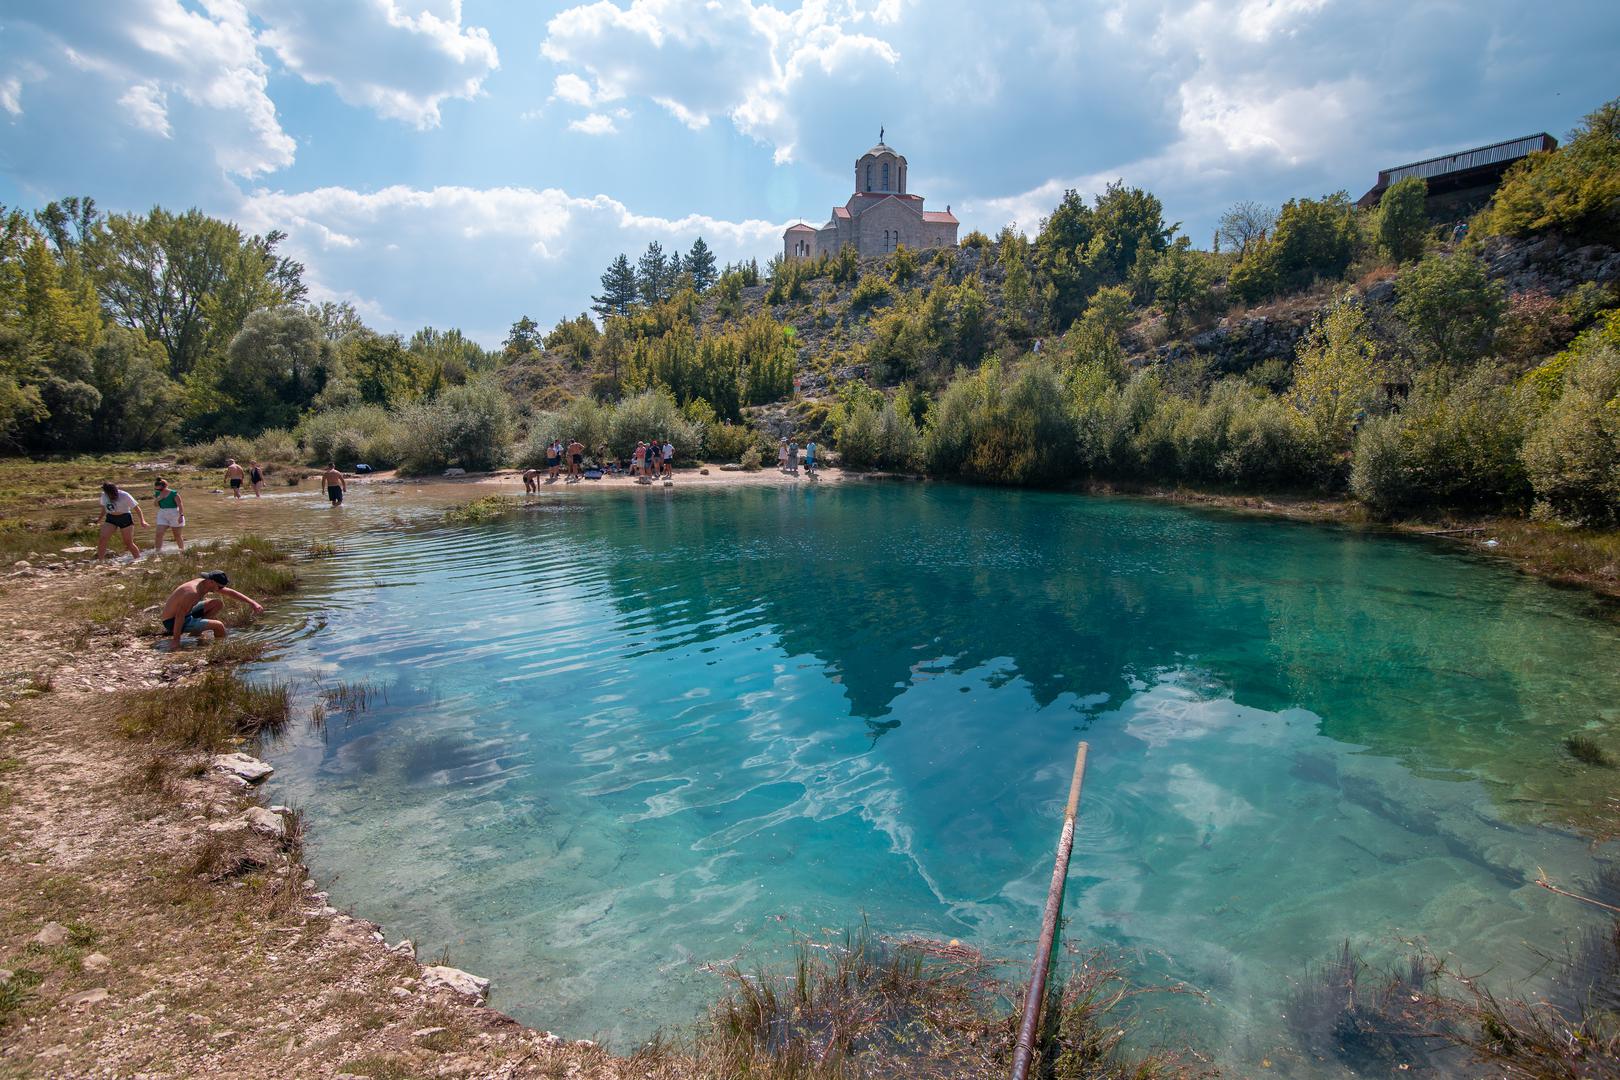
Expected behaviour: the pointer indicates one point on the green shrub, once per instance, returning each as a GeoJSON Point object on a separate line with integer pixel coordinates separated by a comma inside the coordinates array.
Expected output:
{"type": "Point", "coordinates": [468, 426]}
{"type": "Point", "coordinates": [277, 444]}
{"type": "Point", "coordinates": [347, 436]}
{"type": "Point", "coordinates": [725, 442]}
{"type": "Point", "coordinates": [214, 454]}
{"type": "Point", "coordinates": [870, 291]}
{"type": "Point", "coordinates": [1314, 239]}
{"type": "Point", "coordinates": [1450, 307]}
{"type": "Point", "coordinates": [1573, 453]}
{"type": "Point", "coordinates": [1403, 219]}
{"type": "Point", "coordinates": [1451, 446]}
{"type": "Point", "coordinates": [651, 414]}
{"type": "Point", "coordinates": [1574, 189]}
{"type": "Point", "coordinates": [873, 433]}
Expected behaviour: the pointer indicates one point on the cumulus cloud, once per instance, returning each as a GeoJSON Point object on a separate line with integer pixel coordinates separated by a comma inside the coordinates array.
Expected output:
{"type": "Point", "coordinates": [401, 58]}
{"type": "Point", "coordinates": [594, 124]}
{"type": "Point", "coordinates": [476, 257]}
{"type": "Point", "coordinates": [106, 77]}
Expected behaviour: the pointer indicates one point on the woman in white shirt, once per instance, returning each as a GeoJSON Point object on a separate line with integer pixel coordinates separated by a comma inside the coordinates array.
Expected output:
{"type": "Point", "coordinates": [118, 512]}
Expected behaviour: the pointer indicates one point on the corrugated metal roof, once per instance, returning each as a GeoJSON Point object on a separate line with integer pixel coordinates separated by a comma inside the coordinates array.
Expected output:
{"type": "Point", "coordinates": [1469, 159]}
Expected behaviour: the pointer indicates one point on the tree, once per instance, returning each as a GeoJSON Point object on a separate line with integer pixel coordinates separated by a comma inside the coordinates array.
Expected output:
{"type": "Point", "coordinates": [1336, 376]}
{"type": "Point", "coordinates": [700, 264]}
{"type": "Point", "coordinates": [267, 378]}
{"type": "Point", "coordinates": [1182, 283]}
{"type": "Point", "coordinates": [1128, 221]}
{"type": "Point", "coordinates": [338, 319]}
{"type": "Point", "coordinates": [1403, 218]}
{"type": "Point", "coordinates": [618, 289]}
{"type": "Point", "coordinates": [1245, 224]}
{"type": "Point", "coordinates": [1450, 307]}
{"type": "Point", "coordinates": [451, 354]}
{"type": "Point", "coordinates": [654, 274]}
{"type": "Point", "coordinates": [1314, 239]}
{"type": "Point", "coordinates": [1060, 250]}
{"type": "Point", "coordinates": [186, 279]}
{"type": "Point", "coordinates": [523, 338]}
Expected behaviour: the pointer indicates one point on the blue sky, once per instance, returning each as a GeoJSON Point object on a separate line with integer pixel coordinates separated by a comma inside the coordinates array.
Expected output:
{"type": "Point", "coordinates": [450, 163]}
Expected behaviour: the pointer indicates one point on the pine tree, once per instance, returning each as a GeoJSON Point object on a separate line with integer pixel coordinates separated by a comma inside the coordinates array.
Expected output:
{"type": "Point", "coordinates": [700, 264]}
{"type": "Point", "coordinates": [654, 274]}
{"type": "Point", "coordinates": [618, 289]}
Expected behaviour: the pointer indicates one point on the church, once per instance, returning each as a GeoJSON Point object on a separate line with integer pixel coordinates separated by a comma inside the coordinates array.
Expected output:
{"type": "Point", "coordinates": [879, 217]}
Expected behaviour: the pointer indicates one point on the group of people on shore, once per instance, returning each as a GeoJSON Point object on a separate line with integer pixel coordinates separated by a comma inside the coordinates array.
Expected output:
{"type": "Point", "coordinates": [787, 457]}
{"type": "Point", "coordinates": [648, 461]}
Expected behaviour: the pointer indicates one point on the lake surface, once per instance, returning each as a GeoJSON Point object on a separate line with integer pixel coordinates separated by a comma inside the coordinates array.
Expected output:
{"type": "Point", "coordinates": [627, 734]}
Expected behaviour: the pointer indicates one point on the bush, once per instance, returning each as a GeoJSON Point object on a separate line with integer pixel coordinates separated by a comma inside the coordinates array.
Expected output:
{"type": "Point", "coordinates": [870, 291]}
{"type": "Point", "coordinates": [1574, 189]}
{"type": "Point", "coordinates": [215, 454]}
{"type": "Point", "coordinates": [1403, 219]}
{"type": "Point", "coordinates": [1452, 446]}
{"type": "Point", "coordinates": [725, 442]}
{"type": "Point", "coordinates": [277, 444]}
{"type": "Point", "coordinates": [348, 436]}
{"type": "Point", "coordinates": [873, 433]}
{"type": "Point", "coordinates": [1450, 307]}
{"type": "Point", "coordinates": [469, 426]}
{"type": "Point", "coordinates": [1573, 454]}
{"type": "Point", "coordinates": [1313, 239]}
{"type": "Point", "coordinates": [751, 459]}
{"type": "Point", "coordinates": [651, 414]}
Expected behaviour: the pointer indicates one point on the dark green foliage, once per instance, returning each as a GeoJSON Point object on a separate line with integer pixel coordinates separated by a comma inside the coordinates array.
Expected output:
{"type": "Point", "coordinates": [1314, 239]}
{"type": "Point", "coordinates": [1454, 444]}
{"type": "Point", "coordinates": [618, 289]}
{"type": "Point", "coordinates": [655, 274]}
{"type": "Point", "coordinates": [1450, 307]}
{"type": "Point", "coordinates": [1403, 219]}
{"type": "Point", "coordinates": [1574, 189]}
{"type": "Point", "coordinates": [575, 339]}
{"type": "Point", "coordinates": [1182, 283]}
{"type": "Point", "coordinates": [523, 339]}
{"type": "Point", "coordinates": [468, 426]}
{"type": "Point", "coordinates": [700, 266]}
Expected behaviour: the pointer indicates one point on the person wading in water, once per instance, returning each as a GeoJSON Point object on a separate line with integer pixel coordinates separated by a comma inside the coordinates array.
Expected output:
{"type": "Point", "coordinates": [335, 484]}
{"type": "Point", "coordinates": [118, 512]}
{"type": "Point", "coordinates": [171, 515]}
{"type": "Point", "coordinates": [233, 476]}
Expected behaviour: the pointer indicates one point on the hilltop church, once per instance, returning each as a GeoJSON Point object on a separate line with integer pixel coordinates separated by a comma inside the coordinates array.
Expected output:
{"type": "Point", "coordinates": [879, 217]}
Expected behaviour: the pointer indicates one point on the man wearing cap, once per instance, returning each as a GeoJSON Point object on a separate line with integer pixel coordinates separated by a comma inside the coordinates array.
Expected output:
{"type": "Point", "coordinates": [187, 612]}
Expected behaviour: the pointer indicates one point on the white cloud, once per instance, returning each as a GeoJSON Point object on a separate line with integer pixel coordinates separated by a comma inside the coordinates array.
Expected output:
{"type": "Point", "coordinates": [400, 58]}
{"type": "Point", "coordinates": [574, 90]}
{"type": "Point", "coordinates": [11, 95]}
{"type": "Point", "coordinates": [425, 254]}
{"type": "Point", "coordinates": [594, 124]}
{"type": "Point", "coordinates": [105, 74]}
{"type": "Point", "coordinates": [148, 108]}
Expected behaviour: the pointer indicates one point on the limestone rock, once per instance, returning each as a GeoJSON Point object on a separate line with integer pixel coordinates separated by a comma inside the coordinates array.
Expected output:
{"type": "Point", "coordinates": [241, 765]}
{"type": "Point", "coordinates": [52, 933]}
{"type": "Point", "coordinates": [265, 821]}
{"type": "Point", "coordinates": [5, 976]}
{"type": "Point", "coordinates": [423, 1033]}
{"type": "Point", "coordinates": [455, 979]}
{"type": "Point", "coordinates": [86, 997]}
{"type": "Point", "coordinates": [731, 467]}
{"type": "Point", "coordinates": [96, 962]}
{"type": "Point", "coordinates": [405, 948]}
{"type": "Point", "coordinates": [455, 472]}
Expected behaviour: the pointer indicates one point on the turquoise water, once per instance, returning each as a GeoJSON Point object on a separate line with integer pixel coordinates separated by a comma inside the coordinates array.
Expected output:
{"type": "Point", "coordinates": [628, 735]}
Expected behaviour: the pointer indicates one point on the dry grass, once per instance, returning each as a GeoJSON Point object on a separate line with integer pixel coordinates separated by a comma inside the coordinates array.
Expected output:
{"type": "Point", "coordinates": [257, 567]}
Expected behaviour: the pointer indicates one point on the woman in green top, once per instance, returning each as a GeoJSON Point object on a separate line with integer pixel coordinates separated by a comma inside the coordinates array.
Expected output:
{"type": "Point", "coordinates": [171, 514]}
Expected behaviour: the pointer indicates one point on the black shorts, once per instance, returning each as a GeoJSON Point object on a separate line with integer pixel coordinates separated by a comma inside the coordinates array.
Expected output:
{"type": "Point", "coordinates": [552, 463]}
{"type": "Point", "coordinates": [236, 482]}
{"type": "Point", "coordinates": [334, 493]}
{"type": "Point", "coordinates": [121, 521]}
{"type": "Point", "coordinates": [578, 458]}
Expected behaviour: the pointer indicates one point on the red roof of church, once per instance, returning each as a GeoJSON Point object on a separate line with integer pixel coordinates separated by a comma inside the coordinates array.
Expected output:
{"type": "Point", "coordinates": [839, 211]}
{"type": "Point", "coordinates": [799, 226]}
{"type": "Point", "coordinates": [940, 216]}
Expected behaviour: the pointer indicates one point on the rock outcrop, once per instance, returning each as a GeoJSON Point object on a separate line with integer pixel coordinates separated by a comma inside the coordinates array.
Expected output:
{"type": "Point", "coordinates": [247, 769]}
{"type": "Point", "coordinates": [449, 978]}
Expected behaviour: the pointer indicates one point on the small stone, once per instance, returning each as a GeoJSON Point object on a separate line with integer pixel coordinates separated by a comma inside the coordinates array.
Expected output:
{"type": "Point", "coordinates": [5, 976]}
{"type": "Point", "coordinates": [240, 765]}
{"type": "Point", "coordinates": [86, 997]}
{"type": "Point", "coordinates": [422, 1033]}
{"type": "Point", "coordinates": [96, 962]}
{"type": "Point", "coordinates": [264, 821]}
{"type": "Point", "coordinates": [462, 982]}
{"type": "Point", "coordinates": [404, 948]}
{"type": "Point", "coordinates": [399, 991]}
{"type": "Point", "coordinates": [22, 563]}
{"type": "Point", "coordinates": [53, 933]}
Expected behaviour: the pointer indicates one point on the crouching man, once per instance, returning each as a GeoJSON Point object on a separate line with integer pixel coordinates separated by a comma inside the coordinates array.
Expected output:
{"type": "Point", "coordinates": [191, 610]}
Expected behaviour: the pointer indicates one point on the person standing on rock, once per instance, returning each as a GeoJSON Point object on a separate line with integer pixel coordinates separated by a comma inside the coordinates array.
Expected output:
{"type": "Point", "coordinates": [118, 512]}
{"type": "Point", "coordinates": [335, 484]}
{"type": "Point", "coordinates": [233, 476]}
{"type": "Point", "coordinates": [171, 515]}
{"type": "Point", "coordinates": [191, 610]}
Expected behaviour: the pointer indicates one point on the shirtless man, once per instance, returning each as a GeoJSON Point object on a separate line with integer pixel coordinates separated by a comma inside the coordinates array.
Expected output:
{"type": "Point", "coordinates": [531, 481]}
{"type": "Point", "coordinates": [335, 484]}
{"type": "Point", "coordinates": [233, 476]}
{"type": "Point", "coordinates": [186, 611]}
{"type": "Point", "coordinates": [576, 458]}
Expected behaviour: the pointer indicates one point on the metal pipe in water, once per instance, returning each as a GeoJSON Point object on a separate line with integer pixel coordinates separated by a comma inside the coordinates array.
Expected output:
{"type": "Point", "coordinates": [1036, 998]}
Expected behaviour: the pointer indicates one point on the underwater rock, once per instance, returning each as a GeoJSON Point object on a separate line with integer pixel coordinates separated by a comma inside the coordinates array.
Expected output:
{"type": "Point", "coordinates": [455, 979]}
{"type": "Point", "coordinates": [240, 765]}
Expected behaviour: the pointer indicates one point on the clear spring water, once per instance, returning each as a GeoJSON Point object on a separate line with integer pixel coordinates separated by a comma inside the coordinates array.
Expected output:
{"type": "Point", "coordinates": [628, 734]}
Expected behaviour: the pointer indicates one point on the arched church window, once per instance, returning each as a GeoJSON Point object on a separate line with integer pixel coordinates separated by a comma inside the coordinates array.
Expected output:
{"type": "Point", "coordinates": [868, 176]}
{"type": "Point", "coordinates": [885, 176]}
